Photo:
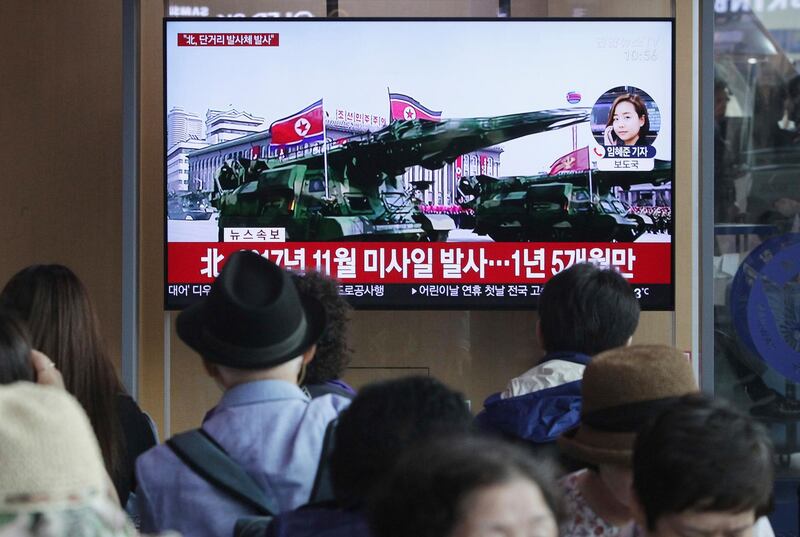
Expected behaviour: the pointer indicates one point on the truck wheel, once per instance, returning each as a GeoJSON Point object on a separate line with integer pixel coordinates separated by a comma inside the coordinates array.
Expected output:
{"type": "Point", "coordinates": [626, 234]}
{"type": "Point", "coordinates": [438, 236]}
{"type": "Point", "coordinates": [504, 236]}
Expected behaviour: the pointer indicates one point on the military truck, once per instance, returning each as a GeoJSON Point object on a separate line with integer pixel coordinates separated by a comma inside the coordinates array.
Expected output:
{"type": "Point", "coordinates": [188, 206]}
{"type": "Point", "coordinates": [363, 195]}
{"type": "Point", "coordinates": [559, 207]}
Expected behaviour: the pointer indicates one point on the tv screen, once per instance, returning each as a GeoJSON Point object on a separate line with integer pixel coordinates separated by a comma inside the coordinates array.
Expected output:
{"type": "Point", "coordinates": [451, 164]}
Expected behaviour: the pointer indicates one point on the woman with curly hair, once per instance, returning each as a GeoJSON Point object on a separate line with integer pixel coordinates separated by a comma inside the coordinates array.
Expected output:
{"type": "Point", "coordinates": [323, 374]}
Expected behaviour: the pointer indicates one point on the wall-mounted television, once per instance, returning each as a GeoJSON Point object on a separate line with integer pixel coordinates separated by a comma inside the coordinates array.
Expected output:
{"type": "Point", "coordinates": [437, 164]}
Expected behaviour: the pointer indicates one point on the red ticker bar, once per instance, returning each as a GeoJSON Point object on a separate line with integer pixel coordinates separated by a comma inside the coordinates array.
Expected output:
{"type": "Point", "coordinates": [531, 263]}
{"type": "Point", "coordinates": [229, 40]}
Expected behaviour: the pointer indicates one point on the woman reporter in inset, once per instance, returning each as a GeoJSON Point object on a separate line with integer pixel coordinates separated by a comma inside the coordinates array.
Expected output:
{"type": "Point", "coordinates": [628, 122]}
{"type": "Point", "coordinates": [62, 324]}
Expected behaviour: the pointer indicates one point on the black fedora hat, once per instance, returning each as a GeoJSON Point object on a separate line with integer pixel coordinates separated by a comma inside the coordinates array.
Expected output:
{"type": "Point", "coordinates": [253, 317]}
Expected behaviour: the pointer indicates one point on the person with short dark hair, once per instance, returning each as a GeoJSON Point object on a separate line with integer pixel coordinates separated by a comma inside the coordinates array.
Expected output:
{"type": "Point", "coordinates": [18, 360]}
{"type": "Point", "coordinates": [256, 335]}
{"type": "Point", "coordinates": [583, 311]}
{"type": "Point", "coordinates": [384, 419]}
{"type": "Point", "coordinates": [15, 350]}
{"type": "Point", "coordinates": [324, 372]}
{"type": "Point", "coordinates": [465, 486]}
{"type": "Point", "coordinates": [702, 467]}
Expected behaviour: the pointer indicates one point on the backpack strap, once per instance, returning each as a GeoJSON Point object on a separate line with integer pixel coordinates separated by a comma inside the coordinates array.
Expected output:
{"type": "Point", "coordinates": [318, 390]}
{"type": "Point", "coordinates": [207, 459]}
{"type": "Point", "coordinates": [322, 491]}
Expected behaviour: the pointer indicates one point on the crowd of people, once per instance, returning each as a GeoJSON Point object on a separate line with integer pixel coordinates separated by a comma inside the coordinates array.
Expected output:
{"type": "Point", "coordinates": [603, 437]}
{"type": "Point", "coordinates": [661, 216]}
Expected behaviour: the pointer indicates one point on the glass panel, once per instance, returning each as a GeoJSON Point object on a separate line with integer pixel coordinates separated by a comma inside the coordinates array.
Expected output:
{"type": "Point", "coordinates": [757, 216]}
{"type": "Point", "coordinates": [418, 8]}
{"type": "Point", "coordinates": [591, 8]}
{"type": "Point", "coordinates": [246, 8]}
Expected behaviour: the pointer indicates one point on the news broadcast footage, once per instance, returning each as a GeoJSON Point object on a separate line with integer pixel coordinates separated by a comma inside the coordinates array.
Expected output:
{"type": "Point", "coordinates": [432, 164]}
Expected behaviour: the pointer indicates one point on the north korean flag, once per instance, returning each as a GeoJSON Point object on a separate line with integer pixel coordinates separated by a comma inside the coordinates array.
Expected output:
{"type": "Point", "coordinates": [459, 166]}
{"type": "Point", "coordinates": [304, 127]}
{"type": "Point", "coordinates": [403, 107]}
{"type": "Point", "coordinates": [574, 161]}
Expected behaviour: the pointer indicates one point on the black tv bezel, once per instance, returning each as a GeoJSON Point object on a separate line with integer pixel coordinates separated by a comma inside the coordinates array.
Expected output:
{"type": "Point", "coordinates": [668, 306]}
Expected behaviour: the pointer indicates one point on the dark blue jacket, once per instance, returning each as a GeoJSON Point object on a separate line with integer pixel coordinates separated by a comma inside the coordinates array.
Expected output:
{"type": "Point", "coordinates": [539, 416]}
{"type": "Point", "coordinates": [319, 522]}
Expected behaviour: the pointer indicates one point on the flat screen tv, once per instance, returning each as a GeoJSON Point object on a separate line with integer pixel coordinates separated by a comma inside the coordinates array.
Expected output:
{"type": "Point", "coordinates": [437, 164]}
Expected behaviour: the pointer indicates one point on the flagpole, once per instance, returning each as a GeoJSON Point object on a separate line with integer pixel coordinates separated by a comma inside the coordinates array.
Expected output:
{"type": "Point", "coordinates": [389, 94]}
{"type": "Point", "coordinates": [574, 137]}
{"type": "Point", "coordinates": [325, 151]}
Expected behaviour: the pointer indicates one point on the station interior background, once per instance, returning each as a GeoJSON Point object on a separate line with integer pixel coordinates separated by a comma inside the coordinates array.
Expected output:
{"type": "Point", "coordinates": [81, 146]}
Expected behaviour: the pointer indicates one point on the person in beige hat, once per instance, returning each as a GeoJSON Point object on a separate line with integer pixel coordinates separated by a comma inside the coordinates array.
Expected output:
{"type": "Point", "coordinates": [622, 389]}
{"type": "Point", "coordinates": [53, 480]}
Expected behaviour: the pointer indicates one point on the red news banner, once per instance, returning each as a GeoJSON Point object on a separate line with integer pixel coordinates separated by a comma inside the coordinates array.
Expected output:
{"type": "Point", "coordinates": [228, 40]}
{"type": "Point", "coordinates": [641, 263]}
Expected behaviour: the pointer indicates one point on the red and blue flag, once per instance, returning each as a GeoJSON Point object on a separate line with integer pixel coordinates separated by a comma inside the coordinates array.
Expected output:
{"type": "Point", "coordinates": [403, 107]}
{"type": "Point", "coordinates": [298, 130]}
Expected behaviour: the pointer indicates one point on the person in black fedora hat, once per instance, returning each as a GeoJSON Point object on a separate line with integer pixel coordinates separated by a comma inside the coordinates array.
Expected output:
{"type": "Point", "coordinates": [256, 335]}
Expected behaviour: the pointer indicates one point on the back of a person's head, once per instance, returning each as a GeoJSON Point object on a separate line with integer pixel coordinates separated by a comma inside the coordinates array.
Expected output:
{"type": "Point", "coordinates": [588, 310]}
{"type": "Point", "coordinates": [61, 320]}
{"type": "Point", "coordinates": [333, 352]}
{"type": "Point", "coordinates": [426, 493]}
{"type": "Point", "coordinates": [702, 455]}
{"type": "Point", "coordinates": [55, 306]}
{"type": "Point", "coordinates": [383, 419]}
{"type": "Point", "coordinates": [15, 350]}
